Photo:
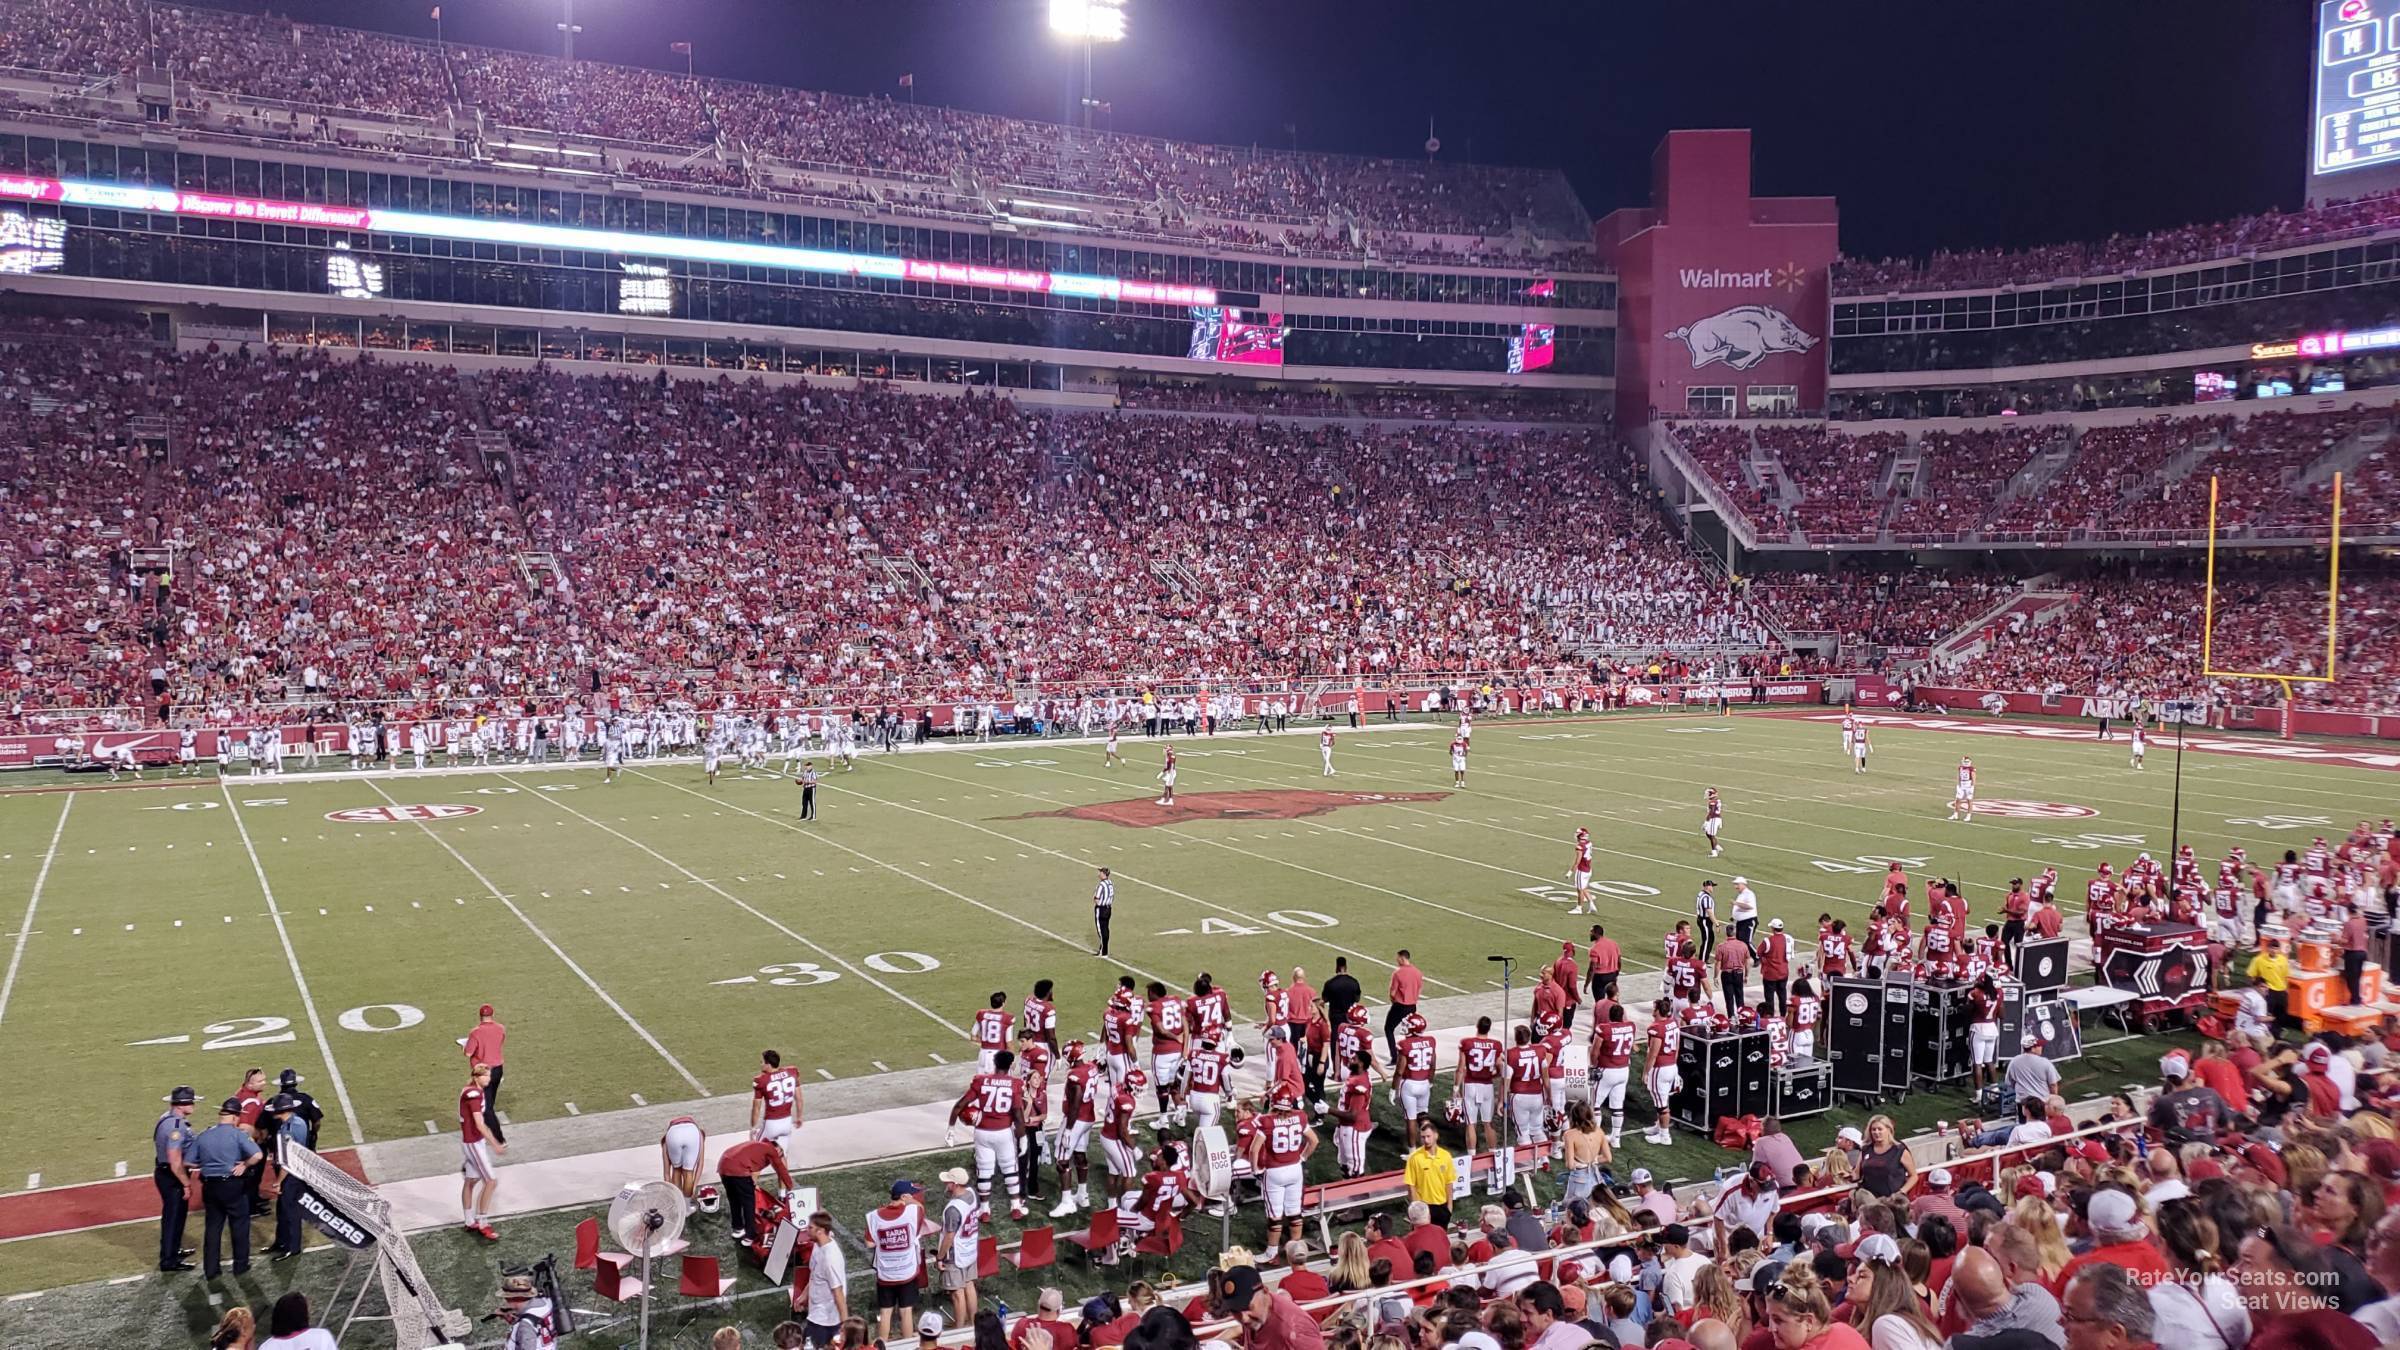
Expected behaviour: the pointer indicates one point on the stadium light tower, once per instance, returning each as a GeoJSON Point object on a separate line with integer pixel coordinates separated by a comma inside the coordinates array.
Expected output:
{"type": "Point", "coordinates": [1088, 22]}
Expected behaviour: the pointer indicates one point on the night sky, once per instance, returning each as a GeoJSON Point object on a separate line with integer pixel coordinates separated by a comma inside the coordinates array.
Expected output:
{"type": "Point", "coordinates": [2007, 122]}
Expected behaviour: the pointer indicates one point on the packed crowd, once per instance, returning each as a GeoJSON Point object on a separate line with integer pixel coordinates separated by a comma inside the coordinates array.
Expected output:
{"type": "Point", "coordinates": [1904, 609]}
{"type": "Point", "coordinates": [1447, 405]}
{"type": "Point", "coordinates": [1429, 210]}
{"type": "Point", "coordinates": [1960, 474]}
{"type": "Point", "coordinates": [1968, 268]}
{"type": "Point", "coordinates": [2137, 632]}
{"type": "Point", "coordinates": [737, 537]}
{"type": "Point", "coordinates": [1839, 477]}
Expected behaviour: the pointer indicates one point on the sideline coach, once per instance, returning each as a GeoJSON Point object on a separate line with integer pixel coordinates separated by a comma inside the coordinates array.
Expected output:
{"type": "Point", "coordinates": [171, 1143]}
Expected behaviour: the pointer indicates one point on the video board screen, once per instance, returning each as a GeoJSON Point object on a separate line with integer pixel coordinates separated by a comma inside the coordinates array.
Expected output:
{"type": "Point", "coordinates": [1532, 348]}
{"type": "Point", "coordinates": [2357, 121]}
{"type": "Point", "coordinates": [1222, 334]}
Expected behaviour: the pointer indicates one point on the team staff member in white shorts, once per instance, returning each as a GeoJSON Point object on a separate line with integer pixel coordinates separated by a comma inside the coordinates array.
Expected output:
{"type": "Point", "coordinates": [1983, 1030]}
{"type": "Point", "coordinates": [679, 1151]}
{"type": "Point", "coordinates": [1278, 1152]}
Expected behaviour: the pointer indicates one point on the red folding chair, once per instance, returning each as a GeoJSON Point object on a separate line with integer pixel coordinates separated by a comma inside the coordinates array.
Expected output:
{"type": "Point", "coordinates": [587, 1244]}
{"type": "Point", "coordinates": [612, 1283]}
{"type": "Point", "coordinates": [1163, 1241]}
{"type": "Point", "coordinates": [702, 1280]}
{"type": "Point", "coordinates": [1036, 1248]}
{"type": "Point", "coordinates": [1102, 1236]}
{"type": "Point", "coordinates": [987, 1257]}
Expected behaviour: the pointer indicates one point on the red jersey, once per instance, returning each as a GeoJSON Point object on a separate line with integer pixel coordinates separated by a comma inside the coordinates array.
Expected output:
{"type": "Point", "coordinates": [1665, 1039]}
{"type": "Point", "coordinates": [1040, 1018]}
{"type": "Point", "coordinates": [1351, 1040]}
{"type": "Point", "coordinates": [1357, 1107]}
{"type": "Point", "coordinates": [1204, 1071]}
{"type": "Point", "coordinates": [1983, 1005]}
{"type": "Point", "coordinates": [992, 1026]}
{"type": "Point", "coordinates": [470, 1114]}
{"type": "Point", "coordinates": [1478, 1060]}
{"type": "Point", "coordinates": [2045, 886]}
{"type": "Point", "coordinates": [2098, 893]}
{"type": "Point", "coordinates": [1167, 1025]}
{"type": "Point", "coordinates": [1416, 1058]}
{"type": "Point", "coordinates": [1325, 738]}
{"type": "Point", "coordinates": [1615, 1044]}
{"type": "Point", "coordinates": [1082, 1101]}
{"type": "Point", "coordinates": [2016, 906]}
{"type": "Point", "coordinates": [1119, 1125]}
{"type": "Point", "coordinates": [778, 1088]}
{"type": "Point", "coordinates": [1117, 1030]}
{"type": "Point", "coordinates": [1526, 1070]}
{"type": "Point", "coordinates": [1716, 809]}
{"type": "Point", "coordinates": [1804, 1013]}
{"type": "Point", "coordinates": [1683, 977]}
{"type": "Point", "coordinates": [1604, 957]}
{"type": "Point", "coordinates": [1458, 748]}
{"type": "Point", "coordinates": [1278, 1006]}
{"type": "Point", "coordinates": [989, 1103]}
{"type": "Point", "coordinates": [1211, 1011]}
{"type": "Point", "coordinates": [1283, 1139]}
{"type": "Point", "coordinates": [1554, 1053]}
{"type": "Point", "coordinates": [1583, 853]}
{"type": "Point", "coordinates": [1164, 1193]}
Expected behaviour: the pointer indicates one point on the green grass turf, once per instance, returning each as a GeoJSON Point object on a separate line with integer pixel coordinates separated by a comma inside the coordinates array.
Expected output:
{"type": "Point", "coordinates": [149, 1309]}
{"type": "Point", "coordinates": [606, 920]}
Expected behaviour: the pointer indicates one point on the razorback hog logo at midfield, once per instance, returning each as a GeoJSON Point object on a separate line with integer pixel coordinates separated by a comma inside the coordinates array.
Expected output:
{"type": "Point", "coordinates": [1742, 336]}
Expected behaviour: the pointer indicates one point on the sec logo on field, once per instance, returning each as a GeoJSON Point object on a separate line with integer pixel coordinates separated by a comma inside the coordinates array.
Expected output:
{"type": "Point", "coordinates": [385, 815]}
{"type": "Point", "coordinates": [2035, 810]}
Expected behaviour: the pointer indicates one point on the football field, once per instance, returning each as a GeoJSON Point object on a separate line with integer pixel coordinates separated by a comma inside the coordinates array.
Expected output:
{"type": "Point", "coordinates": [644, 940]}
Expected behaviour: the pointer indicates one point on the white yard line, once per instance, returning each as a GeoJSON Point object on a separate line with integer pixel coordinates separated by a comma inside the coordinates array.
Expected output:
{"type": "Point", "coordinates": [555, 950]}
{"type": "Point", "coordinates": [8, 985]}
{"type": "Point", "coordinates": [308, 1002]}
{"type": "Point", "coordinates": [896, 869]}
{"type": "Point", "coordinates": [761, 915]}
{"type": "Point", "coordinates": [1314, 872]}
{"type": "Point", "coordinates": [1125, 876]}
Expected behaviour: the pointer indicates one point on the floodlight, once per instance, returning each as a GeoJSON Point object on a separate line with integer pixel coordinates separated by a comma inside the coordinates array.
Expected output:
{"type": "Point", "coordinates": [1088, 20]}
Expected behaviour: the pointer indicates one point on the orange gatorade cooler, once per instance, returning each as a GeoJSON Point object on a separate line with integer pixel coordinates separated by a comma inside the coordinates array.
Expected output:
{"type": "Point", "coordinates": [2315, 953]}
{"type": "Point", "coordinates": [2311, 994]}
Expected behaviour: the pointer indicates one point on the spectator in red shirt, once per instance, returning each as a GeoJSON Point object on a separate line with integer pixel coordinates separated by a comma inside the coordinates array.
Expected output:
{"type": "Point", "coordinates": [2120, 1238]}
{"type": "Point", "coordinates": [1424, 1235]}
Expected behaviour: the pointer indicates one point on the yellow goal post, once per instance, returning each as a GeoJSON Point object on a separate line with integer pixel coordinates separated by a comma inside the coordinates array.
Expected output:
{"type": "Point", "coordinates": [2333, 606]}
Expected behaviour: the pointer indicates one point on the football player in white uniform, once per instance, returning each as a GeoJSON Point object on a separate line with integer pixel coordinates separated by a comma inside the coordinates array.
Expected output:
{"type": "Point", "coordinates": [1964, 798]}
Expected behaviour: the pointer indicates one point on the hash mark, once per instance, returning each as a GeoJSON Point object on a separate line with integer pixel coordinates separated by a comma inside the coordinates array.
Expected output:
{"type": "Point", "coordinates": [825, 1074]}
{"type": "Point", "coordinates": [935, 1056]}
{"type": "Point", "coordinates": [637, 1099]}
{"type": "Point", "coordinates": [572, 1111]}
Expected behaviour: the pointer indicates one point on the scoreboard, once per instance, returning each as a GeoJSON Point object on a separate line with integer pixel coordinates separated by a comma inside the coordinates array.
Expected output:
{"type": "Point", "coordinates": [2357, 109]}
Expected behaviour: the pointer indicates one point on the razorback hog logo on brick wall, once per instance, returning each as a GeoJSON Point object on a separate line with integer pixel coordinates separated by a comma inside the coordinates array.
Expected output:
{"type": "Point", "coordinates": [1265, 805]}
{"type": "Point", "coordinates": [1742, 336]}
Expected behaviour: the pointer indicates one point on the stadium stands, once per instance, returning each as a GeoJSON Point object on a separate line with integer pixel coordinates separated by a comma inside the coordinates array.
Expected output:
{"type": "Point", "coordinates": [1983, 268]}
{"type": "Point", "coordinates": [1432, 212]}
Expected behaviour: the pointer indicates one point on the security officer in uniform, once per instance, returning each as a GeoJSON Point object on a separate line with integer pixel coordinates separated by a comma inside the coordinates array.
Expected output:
{"type": "Point", "coordinates": [171, 1144]}
{"type": "Point", "coordinates": [288, 1127]}
{"type": "Point", "coordinates": [225, 1153]}
{"type": "Point", "coordinates": [304, 1107]}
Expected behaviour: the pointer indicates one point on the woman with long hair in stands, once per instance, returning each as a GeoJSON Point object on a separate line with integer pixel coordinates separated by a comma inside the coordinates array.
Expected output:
{"type": "Point", "coordinates": [1352, 1271]}
{"type": "Point", "coordinates": [1800, 1316]}
{"type": "Point", "coordinates": [1713, 1295]}
{"type": "Point", "coordinates": [2040, 1222]}
{"type": "Point", "coordinates": [1587, 1151]}
{"type": "Point", "coordinates": [2198, 1309]}
{"type": "Point", "coordinates": [1892, 1313]}
{"type": "Point", "coordinates": [1504, 1324]}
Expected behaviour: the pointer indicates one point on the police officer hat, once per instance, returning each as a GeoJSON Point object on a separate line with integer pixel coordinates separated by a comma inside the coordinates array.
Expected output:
{"type": "Point", "coordinates": [182, 1096]}
{"type": "Point", "coordinates": [283, 1101]}
{"type": "Point", "coordinates": [291, 1080]}
{"type": "Point", "coordinates": [232, 1107]}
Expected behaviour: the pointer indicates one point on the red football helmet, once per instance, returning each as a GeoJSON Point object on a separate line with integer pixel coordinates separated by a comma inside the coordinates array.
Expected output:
{"type": "Point", "coordinates": [1413, 1025]}
{"type": "Point", "coordinates": [1136, 1080]}
{"type": "Point", "coordinates": [1357, 1013]}
{"type": "Point", "coordinates": [1074, 1052]}
{"type": "Point", "coordinates": [1267, 979]}
{"type": "Point", "coordinates": [1284, 1101]}
{"type": "Point", "coordinates": [1036, 1057]}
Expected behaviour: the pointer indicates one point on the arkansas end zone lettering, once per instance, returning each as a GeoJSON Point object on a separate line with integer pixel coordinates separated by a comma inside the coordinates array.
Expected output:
{"type": "Point", "coordinates": [388, 815]}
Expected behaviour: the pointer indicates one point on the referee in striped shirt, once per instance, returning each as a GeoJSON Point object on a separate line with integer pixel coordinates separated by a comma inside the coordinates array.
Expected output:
{"type": "Point", "coordinates": [1104, 904]}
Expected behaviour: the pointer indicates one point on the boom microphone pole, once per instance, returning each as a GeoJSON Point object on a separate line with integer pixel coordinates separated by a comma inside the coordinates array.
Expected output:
{"type": "Point", "coordinates": [1508, 965]}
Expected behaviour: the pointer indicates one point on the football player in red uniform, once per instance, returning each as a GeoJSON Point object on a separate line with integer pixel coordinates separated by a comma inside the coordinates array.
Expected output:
{"type": "Point", "coordinates": [1354, 1118]}
{"type": "Point", "coordinates": [994, 1030]}
{"type": "Point", "coordinates": [1528, 1091]}
{"type": "Point", "coordinates": [1478, 1070]}
{"type": "Point", "coordinates": [1579, 876]}
{"type": "Point", "coordinates": [1612, 1064]}
{"type": "Point", "coordinates": [1212, 1011]}
{"type": "Point", "coordinates": [1204, 1081]}
{"type": "Point", "coordinates": [1412, 1072]}
{"type": "Point", "coordinates": [1662, 1074]}
{"type": "Point", "coordinates": [1983, 1031]}
{"type": "Point", "coordinates": [1119, 1137]}
{"type": "Point", "coordinates": [1166, 779]}
{"type": "Point", "coordinates": [1077, 1114]}
{"type": "Point", "coordinates": [991, 1107]}
{"type": "Point", "coordinates": [1807, 1008]}
{"type": "Point", "coordinates": [1033, 1065]}
{"type": "Point", "coordinates": [774, 1099]}
{"type": "Point", "coordinates": [1458, 761]}
{"type": "Point", "coordinates": [1168, 1029]}
{"type": "Point", "coordinates": [1278, 1152]}
{"type": "Point", "coordinates": [1712, 822]}
{"type": "Point", "coordinates": [1039, 1019]}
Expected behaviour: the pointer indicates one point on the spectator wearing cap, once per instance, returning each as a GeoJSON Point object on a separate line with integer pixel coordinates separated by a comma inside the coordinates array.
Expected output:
{"type": "Point", "coordinates": [1269, 1319]}
{"type": "Point", "coordinates": [1841, 1160]}
{"type": "Point", "coordinates": [1937, 1198]}
{"type": "Point", "coordinates": [1649, 1201]}
{"type": "Point", "coordinates": [1050, 1315]}
{"type": "Point", "coordinates": [1774, 969]}
{"type": "Point", "coordinates": [1750, 1202]}
{"type": "Point", "coordinates": [289, 1128]}
{"type": "Point", "coordinates": [223, 1155]}
{"type": "Point", "coordinates": [1303, 1284]}
{"type": "Point", "coordinates": [2119, 1237]}
{"type": "Point", "coordinates": [2029, 1074]}
{"type": "Point", "coordinates": [171, 1145]}
{"type": "Point", "coordinates": [484, 1045]}
{"type": "Point", "coordinates": [2316, 1080]}
{"type": "Point", "coordinates": [1776, 1150]}
{"type": "Point", "coordinates": [961, 1237]}
{"type": "Point", "coordinates": [929, 1330]}
{"type": "Point", "coordinates": [1525, 1230]}
{"type": "Point", "coordinates": [2186, 1110]}
{"type": "Point", "coordinates": [894, 1230]}
{"type": "Point", "coordinates": [530, 1316]}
